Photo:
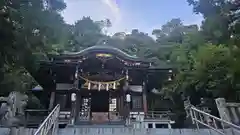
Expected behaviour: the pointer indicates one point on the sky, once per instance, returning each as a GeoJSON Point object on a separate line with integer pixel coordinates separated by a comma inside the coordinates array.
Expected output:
{"type": "Point", "coordinates": [126, 15]}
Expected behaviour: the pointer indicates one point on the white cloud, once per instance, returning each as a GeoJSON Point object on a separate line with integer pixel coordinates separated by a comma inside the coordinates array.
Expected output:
{"type": "Point", "coordinates": [122, 19]}
{"type": "Point", "coordinates": [97, 10]}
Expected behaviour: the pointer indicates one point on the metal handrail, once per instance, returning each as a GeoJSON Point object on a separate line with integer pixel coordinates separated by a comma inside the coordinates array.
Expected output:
{"type": "Point", "coordinates": [210, 121]}
{"type": "Point", "coordinates": [50, 123]}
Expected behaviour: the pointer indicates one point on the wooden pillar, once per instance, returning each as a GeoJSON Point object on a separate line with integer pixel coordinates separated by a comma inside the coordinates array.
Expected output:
{"type": "Point", "coordinates": [78, 105]}
{"type": "Point", "coordinates": [52, 99]}
{"type": "Point", "coordinates": [74, 97]}
{"type": "Point", "coordinates": [144, 95]}
{"type": "Point", "coordinates": [118, 105]}
{"type": "Point", "coordinates": [121, 105]}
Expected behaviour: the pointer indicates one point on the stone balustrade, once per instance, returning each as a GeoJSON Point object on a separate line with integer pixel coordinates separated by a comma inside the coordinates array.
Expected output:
{"type": "Point", "coordinates": [228, 111]}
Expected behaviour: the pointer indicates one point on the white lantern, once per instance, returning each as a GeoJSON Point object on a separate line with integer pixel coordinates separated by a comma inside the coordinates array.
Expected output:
{"type": "Point", "coordinates": [128, 98]}
{"type": "Point", "coordinates": [73, 97]}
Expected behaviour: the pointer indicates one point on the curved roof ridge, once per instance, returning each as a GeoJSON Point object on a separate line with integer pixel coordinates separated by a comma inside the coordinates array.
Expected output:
{"type": "Point", "coordinates": [101, 47]}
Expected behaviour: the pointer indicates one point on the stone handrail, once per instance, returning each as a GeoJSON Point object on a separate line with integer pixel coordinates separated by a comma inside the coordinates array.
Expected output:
{"type": "Point", "coordinates": [12, 108]}
{"type": "Point", "coordinates": [219, 125]}
{"type": "Point", "coordinates": [50, 124]}
{"type": "Point", "coordinates": [228, 111]}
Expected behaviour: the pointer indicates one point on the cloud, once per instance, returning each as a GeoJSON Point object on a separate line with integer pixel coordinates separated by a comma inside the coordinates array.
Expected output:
{"type": "Point", "coordinates": [113, 7]}
{"type": "Point", "coordinates": [123, 16]}
{"type": "Point", "coordinates": [97, 10]}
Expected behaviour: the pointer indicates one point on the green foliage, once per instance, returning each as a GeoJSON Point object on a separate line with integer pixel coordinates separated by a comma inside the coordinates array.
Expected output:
{"type": "Point", "coordinates": [205, 59]}
{"type": "Point", "coordinates": [26, 27]}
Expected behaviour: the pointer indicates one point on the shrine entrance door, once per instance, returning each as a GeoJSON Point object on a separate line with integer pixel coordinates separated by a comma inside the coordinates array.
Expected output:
{"type": "Point", "coordinates": [99, 106]}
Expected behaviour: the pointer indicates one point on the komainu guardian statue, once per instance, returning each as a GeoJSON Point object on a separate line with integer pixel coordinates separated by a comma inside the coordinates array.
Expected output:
{"type": "Point", "coordinates": [12, 111]}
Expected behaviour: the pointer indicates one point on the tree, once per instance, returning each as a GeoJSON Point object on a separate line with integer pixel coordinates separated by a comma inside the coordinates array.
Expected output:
{"type": "Point", "coordinates": [28, 27]}
{"type": "Point", "coordinates": [138, 43]}
{"type": "Point", "coordinates": [175, 33]}
{"type": "Point", "coordinates": [221, 26]}
{"type": "Point", "coordinates": [219, 16]}
{"type": "Point", "coordinates": [171, 32]}
{"type": "Point", "coordinates": [86, 33]}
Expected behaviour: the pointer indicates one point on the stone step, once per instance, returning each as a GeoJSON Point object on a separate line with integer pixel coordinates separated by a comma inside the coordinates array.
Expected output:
{"type": "Point", "coordinates": [105, 123]}
{"type": "Point", "coordinates": [130, 131]}
{"type": "Point", "coordinates": [121, 131]}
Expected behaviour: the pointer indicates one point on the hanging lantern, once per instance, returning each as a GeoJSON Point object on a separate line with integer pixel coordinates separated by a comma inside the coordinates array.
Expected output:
{"type": "Point", "coordinates": [107, 87]}
{"type": "Point", "coordinates": [73, 97]}
{"type": "Point", "coordinates": [89, 86]}
{"type": "Point", "coordinates": [170, 71]}
{"type": "Point", "coordinates": [169, 78]}
{"type": "Point", "coordinates": [128, 98]}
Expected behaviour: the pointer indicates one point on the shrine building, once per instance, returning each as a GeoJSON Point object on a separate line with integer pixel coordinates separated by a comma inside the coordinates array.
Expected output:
{"type": "Point", "coordinates": [100, 83]}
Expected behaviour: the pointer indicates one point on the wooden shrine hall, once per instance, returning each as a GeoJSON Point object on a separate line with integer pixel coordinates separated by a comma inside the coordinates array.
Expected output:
{"type": "Point", "coordinates": [100, 83]}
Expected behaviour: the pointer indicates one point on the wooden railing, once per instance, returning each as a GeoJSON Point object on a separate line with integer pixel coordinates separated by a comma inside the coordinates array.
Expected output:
{"type": "Point", "coordinates": [218, 125]}
{"type": "Point", "coordinates": [34, 117]}
{"type": "Point", "coordinates": [112, 116]}
{"type": "Point", "coordinates": [50, 124]}
{"type": "Point", "coordinates": [163, 115]}
{"type": "Point", "coordinates": [84, 115]}
{"type": "Point", "coordinates": [64, 117]}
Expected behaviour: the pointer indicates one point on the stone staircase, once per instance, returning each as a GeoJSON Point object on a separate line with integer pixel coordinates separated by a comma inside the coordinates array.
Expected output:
{"type": "Point", "coordinates": [131, 131]}
{"type": "Point", "coordinates": [118, 131]}
{"type": "Point", "coordinates": [83, 123]}
{"type": "Point", "coordinates": [199, 118]}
